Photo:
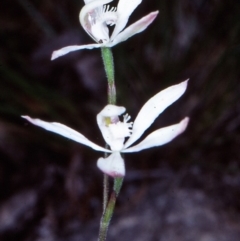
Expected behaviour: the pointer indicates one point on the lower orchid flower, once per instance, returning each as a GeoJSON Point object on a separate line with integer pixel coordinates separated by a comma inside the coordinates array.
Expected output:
{"type": "Point", "coordinates": [115, 131]}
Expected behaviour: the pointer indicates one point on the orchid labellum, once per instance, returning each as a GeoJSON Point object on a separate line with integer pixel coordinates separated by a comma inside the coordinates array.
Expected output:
{"type": "Point", "coordinates": [115, 131]}
{"type": "Point", "coordinates": [96, 16]}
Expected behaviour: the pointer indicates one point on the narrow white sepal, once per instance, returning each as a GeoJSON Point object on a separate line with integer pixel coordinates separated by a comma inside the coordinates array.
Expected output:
{"type": "Point", "coordinates": [63, 51]}
{"type": "Point", "coordinates": [124, 10]}
{"type": "Point", "coordinates": [133, 29]}
{"type": "Point", "coordinates": [153, 107]}
{"type": "Point", "coordinates": [160, 137]}
{"type": "Point", "coordinates": [66, 132]}
{"type": "Point", "coordinates": [113, 165]}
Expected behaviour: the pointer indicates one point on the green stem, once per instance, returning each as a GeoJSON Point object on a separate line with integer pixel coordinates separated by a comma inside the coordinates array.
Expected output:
{"type": "Point", "coordinates": [107, 57]}
{"type": "Point", "coordinates": [108, 206]}
{"type": "Point", "coordinates": [105, 191]}
{"type": "Point", "coordinates": [107, 215]}
{"type": "Point", "coordinates": [109, 69]}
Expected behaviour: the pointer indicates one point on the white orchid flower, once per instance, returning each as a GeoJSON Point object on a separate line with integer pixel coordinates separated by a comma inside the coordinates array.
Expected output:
{"type": "Point", "coordinates": [115, 131]}
{"type": "Point", "coordinates": [95, 17]}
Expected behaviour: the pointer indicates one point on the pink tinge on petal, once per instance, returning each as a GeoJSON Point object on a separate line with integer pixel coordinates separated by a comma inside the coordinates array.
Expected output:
{"type": "Point", "coordinates": [113, 165]}
{"type": "Point", "coordinates": [160, 137]}
{"type": "Point", "coordinates": [133, 29]}
{"type": "Point", "coordinates": [147, 20]}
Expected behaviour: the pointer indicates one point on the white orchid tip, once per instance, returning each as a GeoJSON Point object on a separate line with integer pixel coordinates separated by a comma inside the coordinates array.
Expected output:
{"type": "Point", "coordinates": [151, 16]}
{"type": "Point", "coordinates": [184, 123]}
{"type": "Point", "coordinates": [36, 122]}
{"type": "Point", "coordinates": [186, 81]}
{"type": "Point", "coordinates": [55, 55]}
{"type": "Point", "coordinates": [184, 84]}
{"type": "Point", "coordinates": [155, 13]}
{"type": "Point", "coordinates": [26, 117]}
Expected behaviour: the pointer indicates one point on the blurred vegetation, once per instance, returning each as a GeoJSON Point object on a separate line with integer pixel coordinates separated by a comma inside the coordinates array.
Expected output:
{"type": "Point", "coordinates": [194, 39]}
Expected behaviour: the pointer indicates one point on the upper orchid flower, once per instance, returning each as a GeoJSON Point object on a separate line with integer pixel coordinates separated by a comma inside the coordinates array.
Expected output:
{"type": "Point", "coordinates": [115, 131]}
{"type": "Point", "coordinates": [96, 15]}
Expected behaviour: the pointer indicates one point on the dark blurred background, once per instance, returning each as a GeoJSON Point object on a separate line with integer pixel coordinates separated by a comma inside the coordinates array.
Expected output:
{"type": "Point", "coordinates": [50, 187]}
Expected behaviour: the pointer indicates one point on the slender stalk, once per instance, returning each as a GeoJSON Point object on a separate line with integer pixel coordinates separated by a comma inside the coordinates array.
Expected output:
{"type": "Point", "coordinates": [105, 191]}
{"type": "Point", "coordinates": [107, 215]}
{"type": "Point", "coordinates": [105, 184]}
{"type": "Point", "coordinates": [109, 69]}
{"type": "Point", "coordinates": [108, 206]}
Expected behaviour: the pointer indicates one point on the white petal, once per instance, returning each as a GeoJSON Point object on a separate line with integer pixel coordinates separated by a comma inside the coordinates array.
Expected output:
{"type": "Point", "coordinates": [68, 49]}
{"type": "Point", "coordinates": [153, 107]}
{"type": "Point", "coordinates": [108, 111]}
{"type": "Point", "coordinates": [91, 8]}
{"type": "Point", "coordinates": [160, 136]}
{"type": "Point", "coordinates": [133, 29]}
{"type": "Point", "coordinates": [112, 165]}
{"type": "Point", "coordinates": [66, 132]}
{"type": "Point", "coordinates": [124, 10]}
